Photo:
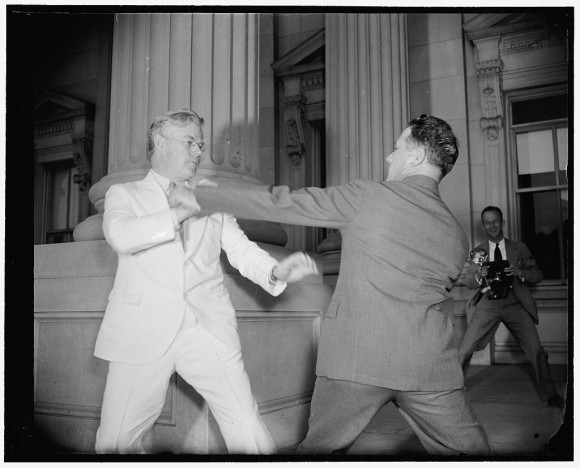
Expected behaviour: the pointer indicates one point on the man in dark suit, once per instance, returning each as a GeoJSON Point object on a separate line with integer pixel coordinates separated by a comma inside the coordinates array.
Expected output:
{"type": "Point", "coordinates": [386, 335]}
{"type": "Point", "coordinates": [517, 311]}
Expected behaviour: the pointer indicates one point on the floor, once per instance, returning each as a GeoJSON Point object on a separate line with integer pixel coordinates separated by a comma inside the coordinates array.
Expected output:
{"type": "Point", "coordinates": [518, 425]}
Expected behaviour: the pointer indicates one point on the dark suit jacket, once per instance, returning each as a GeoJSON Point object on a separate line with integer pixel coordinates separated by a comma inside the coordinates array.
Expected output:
{"type": "Point", "coordinates": [402, 250]}
{"type": "Point", "coordinates": [519, 255]}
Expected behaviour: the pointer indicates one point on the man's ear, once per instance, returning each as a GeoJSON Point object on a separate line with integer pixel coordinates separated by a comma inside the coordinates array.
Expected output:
{"type": "Point", "coordinates": [159, 141]}
{"type": "Point", "coordinates": [419, 156]}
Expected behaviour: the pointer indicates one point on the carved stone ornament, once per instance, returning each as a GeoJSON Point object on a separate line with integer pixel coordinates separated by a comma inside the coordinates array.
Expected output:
{"type": "Point", "coordinates": [489, 82]}
{"type": "Point", "coordinates": [294, 120]}
{"type": "Point", "coordinates": [491, 127]}
{"type": "Point", "coordinates": [82, 156]}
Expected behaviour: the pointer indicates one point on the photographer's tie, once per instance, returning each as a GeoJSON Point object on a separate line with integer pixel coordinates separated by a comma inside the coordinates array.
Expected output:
{"type": "Point", "coordinates": [497, 254]}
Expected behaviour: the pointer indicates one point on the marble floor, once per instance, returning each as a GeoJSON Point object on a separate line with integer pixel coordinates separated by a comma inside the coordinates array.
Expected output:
{"type": "Point", "coordinates": [518, 424]}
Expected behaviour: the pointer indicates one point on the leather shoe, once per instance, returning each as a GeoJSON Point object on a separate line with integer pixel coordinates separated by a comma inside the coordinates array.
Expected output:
{"type": "Point", "coordinates": [556, 401]}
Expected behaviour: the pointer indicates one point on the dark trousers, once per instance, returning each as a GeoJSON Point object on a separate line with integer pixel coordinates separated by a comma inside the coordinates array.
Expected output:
{"type": "Point", "coordinates": [341, 410]}
{"type": "Point", "coordinates": [486, 318]}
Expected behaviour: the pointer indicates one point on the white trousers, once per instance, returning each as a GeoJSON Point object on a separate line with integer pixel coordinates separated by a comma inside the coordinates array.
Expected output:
{"type": "Point", "coordinates": [134, 395]}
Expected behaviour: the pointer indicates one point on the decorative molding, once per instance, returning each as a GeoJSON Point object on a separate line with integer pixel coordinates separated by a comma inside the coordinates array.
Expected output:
{"type": "Point", "coordinates": [313, 80]}
{"type": "Point", "coordinates": [301, 52]}
{"type": "Point", "coordinates": [294, 107]}
{"type": "Point", "coordinates": [491, 128]}
{"type": "Point", "coordinates": [54, 128]}
{"type": "Point", "coordinates": [168, 417]}
{"type": "Point", "coordinates": [489, 82]}
{"type": "Point", "coordinates": [531, 41]}
{"type": "Point", "coordinates": [83, 157]}
{"type": "Point", "coordinates": [64, 410]}
{"type": "Point", "coordinates": [284, 403]}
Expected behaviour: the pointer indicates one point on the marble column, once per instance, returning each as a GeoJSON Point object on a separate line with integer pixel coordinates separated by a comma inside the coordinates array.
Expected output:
{"type": "Point", "coordinates": [366, 100]}
{"type": "Point", "coordinates": [202, 61]}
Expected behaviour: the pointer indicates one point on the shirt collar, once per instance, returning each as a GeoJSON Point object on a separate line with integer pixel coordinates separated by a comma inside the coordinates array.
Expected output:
{"type": "Point", "coordinates": [161, 180]}
{"type": "Point", "coordinates": [501, 243]}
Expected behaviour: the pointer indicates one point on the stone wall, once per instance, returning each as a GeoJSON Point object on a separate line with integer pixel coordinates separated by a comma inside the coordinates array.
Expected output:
{"type": "Point", "coordinates": [279, 341]}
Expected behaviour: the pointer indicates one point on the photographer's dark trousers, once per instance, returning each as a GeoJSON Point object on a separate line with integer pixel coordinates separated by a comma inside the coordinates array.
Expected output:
{"type": "Point", "coordinates": [487, 316]}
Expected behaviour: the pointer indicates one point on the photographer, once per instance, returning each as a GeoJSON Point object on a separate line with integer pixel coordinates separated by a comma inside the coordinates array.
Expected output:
{"type": "Point", "coordinates": [508, 301]}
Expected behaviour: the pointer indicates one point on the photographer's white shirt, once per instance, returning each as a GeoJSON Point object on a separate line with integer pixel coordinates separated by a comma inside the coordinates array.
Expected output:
{"type": "Point", "coordinates": [501, 248]}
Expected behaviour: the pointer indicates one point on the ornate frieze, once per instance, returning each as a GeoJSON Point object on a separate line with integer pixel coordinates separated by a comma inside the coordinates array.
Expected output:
{"type": "Point", "coordinates": [53, 128]}
{"type": "Point", "coordinates": [532, 41]}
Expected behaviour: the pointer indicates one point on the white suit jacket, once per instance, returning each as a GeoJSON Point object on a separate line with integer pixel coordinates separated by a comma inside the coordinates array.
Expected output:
{"type": "Point", "coordinates": [157, 279]}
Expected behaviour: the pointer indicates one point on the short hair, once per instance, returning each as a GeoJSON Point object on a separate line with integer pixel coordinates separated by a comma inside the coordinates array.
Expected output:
{"type": "Point", "coordinates": [178, 118]}
{"type": "Point", "coordinates": [437, 138]}
{"type": "Point", "coordinates": [492, 208]}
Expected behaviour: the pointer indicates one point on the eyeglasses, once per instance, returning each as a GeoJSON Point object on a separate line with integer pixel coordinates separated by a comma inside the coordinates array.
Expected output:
{"type": "Point", "coordinates": [190, 143]}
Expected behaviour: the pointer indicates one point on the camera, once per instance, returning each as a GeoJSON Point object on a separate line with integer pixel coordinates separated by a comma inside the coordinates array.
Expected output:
{"type": "Point", "coordinates": [497, 283]}
{"type": "Point", "coordinates": [497, 280]}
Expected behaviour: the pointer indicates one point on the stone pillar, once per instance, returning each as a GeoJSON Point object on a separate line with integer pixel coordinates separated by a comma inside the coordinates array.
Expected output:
{"type": "Point", "coordinates": [366, 100]}
{"type": "Point", "coordinates": [489, 68]}
{"type": "Point", "coordinates": [201, 61]}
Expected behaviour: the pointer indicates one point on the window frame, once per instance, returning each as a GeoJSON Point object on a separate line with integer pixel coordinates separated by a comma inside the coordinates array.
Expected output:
{"type": "Point", "coordinates": [514, 191]}
{"type": "Point", "coordinates": [49, 171]}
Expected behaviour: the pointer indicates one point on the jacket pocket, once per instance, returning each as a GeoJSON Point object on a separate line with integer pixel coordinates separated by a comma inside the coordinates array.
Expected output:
{"type": "Point", "coordinates": [332, 308]}
{"type": "Point", "coordinates": [126, 297]}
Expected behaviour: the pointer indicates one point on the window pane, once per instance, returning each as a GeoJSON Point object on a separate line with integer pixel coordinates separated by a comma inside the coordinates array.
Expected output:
{"type": "Point", "coordinates": [541, 230]}
{"type": "Point", "coordinates": [562, 136]}
{"type": "Point", "coordinates": [59, 198]}
{"type": "Point", "coordinates": [540, 110]}
{"type": "Point", "coordinates": [535, 159]}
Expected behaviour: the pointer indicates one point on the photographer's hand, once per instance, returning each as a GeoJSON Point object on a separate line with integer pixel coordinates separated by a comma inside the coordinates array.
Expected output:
{"type": "Point", "coordinates": [513, 270]}
{"type": "Point", "coordinates": [483, 271]}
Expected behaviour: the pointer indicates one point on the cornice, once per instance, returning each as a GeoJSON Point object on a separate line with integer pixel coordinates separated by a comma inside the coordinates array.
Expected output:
{"type": "Point", "coordinates": [299, 53]}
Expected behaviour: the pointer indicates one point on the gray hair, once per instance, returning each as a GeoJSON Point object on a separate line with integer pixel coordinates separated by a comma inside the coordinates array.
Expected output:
{"type": "Point", "coordinates": [178, 118]}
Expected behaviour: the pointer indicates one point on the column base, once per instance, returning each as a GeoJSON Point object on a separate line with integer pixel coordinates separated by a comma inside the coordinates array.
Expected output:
{"type": "Point", "coordinates": [90, 229]}
{"type": "Point", "coordinates": [330, 250]}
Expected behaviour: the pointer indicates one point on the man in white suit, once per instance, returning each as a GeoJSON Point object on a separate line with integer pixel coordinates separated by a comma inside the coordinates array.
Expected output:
{"type": "Point", "coordinates": [168, 310]}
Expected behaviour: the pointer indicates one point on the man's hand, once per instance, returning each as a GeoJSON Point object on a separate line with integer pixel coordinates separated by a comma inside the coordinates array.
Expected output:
{"type": "Point", "coordinates": [295, 267]}
{"type": "Point", "coordinates": [203, 182]}
{"type": "Point", "coordinates": [513, 270]}
{"type": "Point", "coordinates": [183, 201]}
{"type": "Point", "coordinates": [483, 271]}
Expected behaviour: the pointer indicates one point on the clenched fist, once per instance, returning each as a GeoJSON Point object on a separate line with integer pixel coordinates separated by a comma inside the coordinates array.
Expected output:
{"type": "Point", "coordinates": [182, 200]}
{"type": "Point", "coordinates": [295, 267]}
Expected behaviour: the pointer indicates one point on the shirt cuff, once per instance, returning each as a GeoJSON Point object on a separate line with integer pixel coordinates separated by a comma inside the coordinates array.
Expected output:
{"type": "Point", "coordinates": [276, 286]}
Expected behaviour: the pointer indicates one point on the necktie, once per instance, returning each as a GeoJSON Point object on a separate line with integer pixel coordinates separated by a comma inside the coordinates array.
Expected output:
{"type": "Point", "coordinates": [497, 254]}
{"type": "Point", "coordinates": [172, 186]}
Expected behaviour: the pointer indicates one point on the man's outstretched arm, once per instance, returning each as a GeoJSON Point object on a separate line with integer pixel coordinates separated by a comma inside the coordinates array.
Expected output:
{"type": "Point", "coordinates": [333, 207]}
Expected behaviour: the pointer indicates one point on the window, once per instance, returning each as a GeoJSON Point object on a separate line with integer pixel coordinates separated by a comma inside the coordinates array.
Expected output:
{"type": "Point", "coordinates": [62, 203]}
{"type": "Point", "coordinates": [539, 144]}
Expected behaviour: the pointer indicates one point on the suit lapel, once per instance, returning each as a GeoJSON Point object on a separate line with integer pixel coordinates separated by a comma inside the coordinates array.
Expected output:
{"type": "Point", "coordinates": [197, 228]}
{"type": "Point", "coordinates": [153, 197]}
{"type": "Point", "coordinates": [510, 252]}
